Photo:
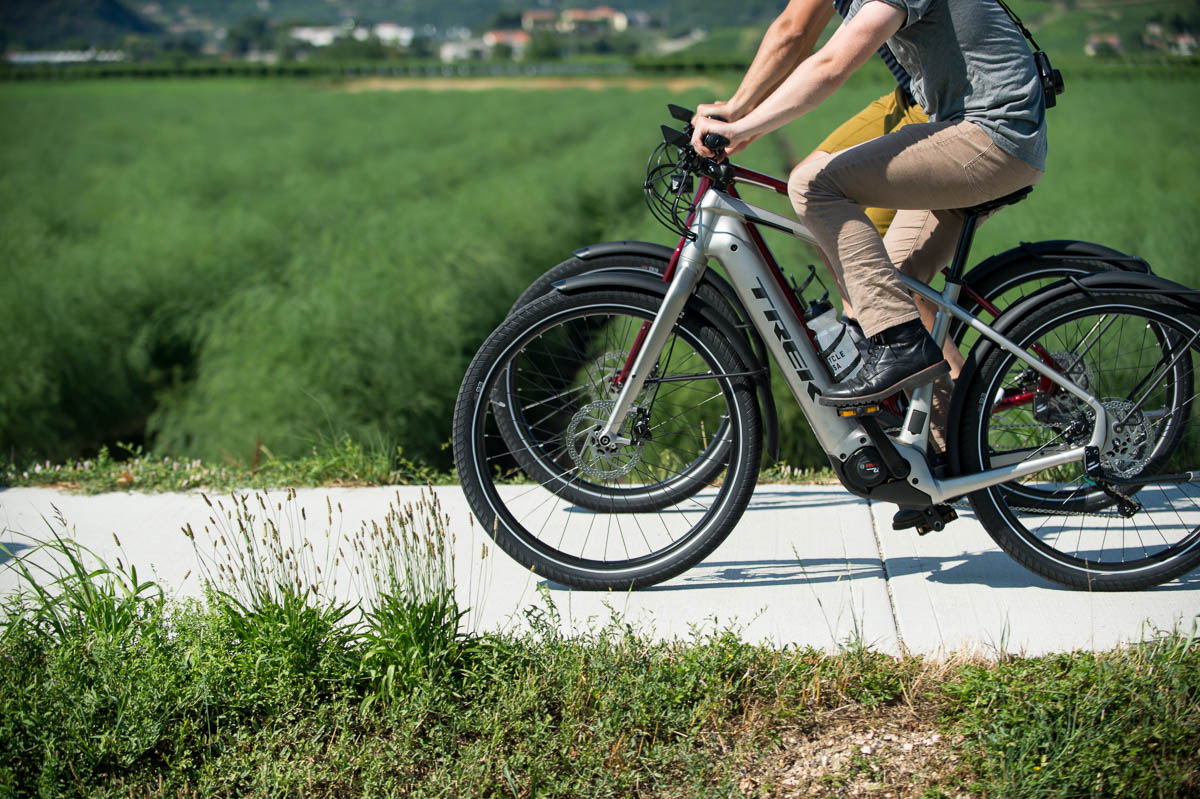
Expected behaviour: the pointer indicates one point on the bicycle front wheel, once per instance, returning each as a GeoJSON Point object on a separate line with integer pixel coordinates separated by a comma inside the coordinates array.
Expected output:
{"type": "Point", "coordinates": [537, 373]}
{"type": "Point", "coordinates": [1136, 353]}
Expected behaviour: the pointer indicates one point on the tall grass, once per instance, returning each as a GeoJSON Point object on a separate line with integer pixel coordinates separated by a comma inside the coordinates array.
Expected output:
{"type": "Point", "coordinates": [228, 269]}
{"type": "Point", "coordinates": [211, 267]}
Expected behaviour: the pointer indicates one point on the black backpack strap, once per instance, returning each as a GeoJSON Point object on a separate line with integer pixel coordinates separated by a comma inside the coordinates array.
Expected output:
{"type": "Point", "coordinates": [1021, 25]}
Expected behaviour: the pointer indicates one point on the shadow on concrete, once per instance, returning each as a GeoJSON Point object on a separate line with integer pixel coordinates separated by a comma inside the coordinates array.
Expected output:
{"type": "Point", "coordinates": [772, 501]}
{"type": "Point", "coordinates": [985, 569]}
{"type": "Point", "coordinates": [11, 549]}
{"type": "Point", "coordinates": [763, 573]}
{"type": "Point", "coordinates": [998, 570]}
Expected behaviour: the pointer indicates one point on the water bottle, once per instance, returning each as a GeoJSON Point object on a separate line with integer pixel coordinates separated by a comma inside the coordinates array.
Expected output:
{"type": "Point", "coordinates": [833, 340]}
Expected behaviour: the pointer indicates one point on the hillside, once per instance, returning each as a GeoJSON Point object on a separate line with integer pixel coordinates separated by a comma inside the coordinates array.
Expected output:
{"type": "Point", "coordinates": [43, 24]}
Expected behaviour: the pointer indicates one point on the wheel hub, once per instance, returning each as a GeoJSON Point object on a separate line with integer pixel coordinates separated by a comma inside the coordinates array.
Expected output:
{"type": "Point", "coordinates": [1130, 439]}
{"type": "Point", "coordinates": [597, 459]}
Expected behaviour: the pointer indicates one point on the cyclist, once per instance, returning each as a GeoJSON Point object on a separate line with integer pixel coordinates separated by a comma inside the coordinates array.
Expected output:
{"type": "Point", "coordinates": [974, 76]}
{"type": "Point", "coordinates": [788, 41]}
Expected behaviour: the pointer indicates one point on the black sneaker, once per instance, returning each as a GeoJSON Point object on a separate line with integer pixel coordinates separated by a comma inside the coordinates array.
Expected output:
{"type": "Point", "coordinates": [899, 358]}
{"type": "Point", "coordinates": [855, 331]}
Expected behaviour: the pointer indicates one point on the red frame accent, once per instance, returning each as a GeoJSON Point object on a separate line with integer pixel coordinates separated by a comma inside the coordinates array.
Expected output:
{"type": "Point", "coordinates": [776, 185]}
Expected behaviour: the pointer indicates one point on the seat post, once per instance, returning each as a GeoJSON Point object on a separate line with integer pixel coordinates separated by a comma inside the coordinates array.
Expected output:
{"type": "Point", "coordinates": [965, 239]}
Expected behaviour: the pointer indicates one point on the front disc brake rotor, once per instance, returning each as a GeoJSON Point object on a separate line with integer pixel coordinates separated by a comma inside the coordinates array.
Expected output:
{"type": "Point", "coordinates": [593, 459]}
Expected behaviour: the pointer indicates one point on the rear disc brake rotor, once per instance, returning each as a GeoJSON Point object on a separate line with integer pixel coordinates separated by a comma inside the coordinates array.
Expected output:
{"type": "Point", "coordinates": [1130, 439]}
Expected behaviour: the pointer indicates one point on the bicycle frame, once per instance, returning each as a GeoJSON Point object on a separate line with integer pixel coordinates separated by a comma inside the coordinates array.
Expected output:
{"type": "Point", "coordinates": [722, 226]}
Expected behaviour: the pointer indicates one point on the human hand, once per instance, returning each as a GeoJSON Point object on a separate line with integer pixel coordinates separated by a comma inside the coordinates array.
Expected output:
{"type": "Point", "coordinates": [725, 110]}
{"type": "Point", "coordinates": [702, 126]}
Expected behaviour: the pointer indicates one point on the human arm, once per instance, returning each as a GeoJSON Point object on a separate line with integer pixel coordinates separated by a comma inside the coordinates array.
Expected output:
{"type": "Point", "coordinates": [787, 42]}
{"type": "Point", "coordinates": [810, 83]}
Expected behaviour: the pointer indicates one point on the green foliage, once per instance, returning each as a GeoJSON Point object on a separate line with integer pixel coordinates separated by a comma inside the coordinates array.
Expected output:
{"type": "Point", "coordinates": [1123, 723]}
{"type": "Point", "coordinates": [314, 267]}
{"type": "Point", "coordinates": [344, 462]}
{"type": "Point", "coordinates": [272, 687]}
{"type": "Point", "coordinates": [85, 600]}
{"type": "Point", "coordinates": [268, 276]}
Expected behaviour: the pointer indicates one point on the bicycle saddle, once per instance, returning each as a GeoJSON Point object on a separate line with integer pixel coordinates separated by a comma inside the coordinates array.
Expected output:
{"type": "Point", "coordinates": [999, 202]}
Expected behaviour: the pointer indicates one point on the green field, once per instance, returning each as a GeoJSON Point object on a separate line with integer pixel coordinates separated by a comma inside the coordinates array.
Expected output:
{"type": "Point", "coordinates": [227, 269]}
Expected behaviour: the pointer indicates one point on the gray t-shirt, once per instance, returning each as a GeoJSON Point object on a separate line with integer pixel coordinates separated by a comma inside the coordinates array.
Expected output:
{"type": "Point", "coordinates": [968, 61]}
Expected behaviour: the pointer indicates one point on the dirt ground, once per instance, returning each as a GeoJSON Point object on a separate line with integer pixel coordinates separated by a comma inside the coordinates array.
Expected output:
{"type": "Point", "coordinates": [891, 754]}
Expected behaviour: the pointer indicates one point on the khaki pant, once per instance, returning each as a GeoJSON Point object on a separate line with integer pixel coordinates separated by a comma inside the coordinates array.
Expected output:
{"type": "Point", "coordinates": [884, 115]}
{"type": "Point", "coordinates": [927, 171]}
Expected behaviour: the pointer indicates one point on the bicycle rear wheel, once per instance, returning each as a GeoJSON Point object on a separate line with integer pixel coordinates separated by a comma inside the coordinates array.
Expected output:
{"type": "Point", "coordinates": [1136, 353]}
{"type": "Point", "coordinates": [537, 367]}
{"type": "Point", "coordinates": [1006, 286]}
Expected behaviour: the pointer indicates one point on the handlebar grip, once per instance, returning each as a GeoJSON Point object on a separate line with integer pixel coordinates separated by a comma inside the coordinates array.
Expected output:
{"type": "Point", "coordinates": [715, 141]}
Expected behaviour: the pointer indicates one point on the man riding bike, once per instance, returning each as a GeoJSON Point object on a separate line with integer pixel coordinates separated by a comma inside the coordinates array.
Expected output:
{"type": "Point", "coordinates": [972, 73]}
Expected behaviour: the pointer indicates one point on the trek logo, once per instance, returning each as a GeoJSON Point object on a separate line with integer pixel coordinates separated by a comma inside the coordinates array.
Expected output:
{"type": "Point", "coordinates": [785, 339]}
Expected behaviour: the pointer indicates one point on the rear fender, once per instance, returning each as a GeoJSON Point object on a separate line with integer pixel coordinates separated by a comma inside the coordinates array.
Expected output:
{"type": "Point", "coordinates": [1096, 285]}
{"type": "Point", "coordinates": [1058, 250]}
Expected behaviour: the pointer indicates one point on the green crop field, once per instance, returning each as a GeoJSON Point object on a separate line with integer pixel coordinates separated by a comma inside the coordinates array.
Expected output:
{"type": "Point", "coordinates": [216, 269]}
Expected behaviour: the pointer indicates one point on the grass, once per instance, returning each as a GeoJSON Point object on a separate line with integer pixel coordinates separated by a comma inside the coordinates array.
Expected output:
{"type": "Point", "coordinates": [341, 464]}
{"type": "Point", "coordinates": [273, 685]}
{"type": "Point", "coordinates": [234, 271]}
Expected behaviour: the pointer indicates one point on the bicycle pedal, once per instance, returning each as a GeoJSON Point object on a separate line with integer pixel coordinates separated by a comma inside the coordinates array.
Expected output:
{"type": "Point", "coordinates": [856, 411]}
{"type": "Point", "coordinates": [925, 520]}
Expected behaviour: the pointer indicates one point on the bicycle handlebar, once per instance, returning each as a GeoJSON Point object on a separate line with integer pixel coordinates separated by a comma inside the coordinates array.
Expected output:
{"type": "Point", "coordinates": [713, 141]}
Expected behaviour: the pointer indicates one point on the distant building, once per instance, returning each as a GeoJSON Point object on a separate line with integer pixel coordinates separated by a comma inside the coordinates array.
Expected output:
{"type": "Point", "coordinates": [539, 20]}
{"type": "Point", "coordinates": [317, 37]}
{"type": "Point", "coordinates": [391, 33]}
{"type": "Point", "coordinates": [592, 20]}
{"type": "Point", "coordinates": [463, 50]}
{"type": "Point", "coordinates": [1156, 37]}
{"type": "Point", "coordinates": [1099, 42]}
{"type": "Point", "coordinates": [517, 40]}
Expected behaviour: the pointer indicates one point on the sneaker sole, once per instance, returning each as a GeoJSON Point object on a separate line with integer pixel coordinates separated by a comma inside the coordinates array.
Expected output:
{"type": "Point", "coordinates": [926, 375]}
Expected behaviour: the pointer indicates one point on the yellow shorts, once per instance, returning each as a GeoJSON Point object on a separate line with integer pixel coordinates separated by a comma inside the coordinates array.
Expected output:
{"type": "Point", "coordinates": [889, 112]}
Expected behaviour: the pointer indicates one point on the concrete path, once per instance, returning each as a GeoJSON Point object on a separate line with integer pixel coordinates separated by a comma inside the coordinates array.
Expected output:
{"type": "Point", "coordinates": [807, 565]}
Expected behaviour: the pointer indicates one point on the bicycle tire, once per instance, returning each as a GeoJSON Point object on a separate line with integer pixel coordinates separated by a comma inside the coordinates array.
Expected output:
{"type": "Point", "coordinates": [536, 461]}
{"type": "Point", "coordinates": [529, 522]}
{"type": "Point", "coordinates": [1008, 282]}
{"type": "Point", "coordinates": [1134, 379]}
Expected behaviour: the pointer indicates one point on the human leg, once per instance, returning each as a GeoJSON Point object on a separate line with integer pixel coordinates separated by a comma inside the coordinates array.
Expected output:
{"type": "Point", "coordinates": [881, 116]}
{"type": "Point", "coordinates": [935, 165]}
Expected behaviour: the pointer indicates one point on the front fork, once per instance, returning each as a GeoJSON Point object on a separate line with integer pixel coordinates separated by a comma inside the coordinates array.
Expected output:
{"type": "Point", "coordinates": [691, 266]}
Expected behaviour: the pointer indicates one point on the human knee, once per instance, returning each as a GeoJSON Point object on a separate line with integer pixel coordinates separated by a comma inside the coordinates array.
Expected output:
{"type": "Point", "coordinates": [801, 183]}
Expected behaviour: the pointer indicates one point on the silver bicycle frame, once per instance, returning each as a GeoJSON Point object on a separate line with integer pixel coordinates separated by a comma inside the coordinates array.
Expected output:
{"type": "Point", "coordinates": [720, 232]}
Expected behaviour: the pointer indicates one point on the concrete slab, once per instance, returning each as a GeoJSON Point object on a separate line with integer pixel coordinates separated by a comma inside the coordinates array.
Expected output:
{"type": "Point", "coordinates": [958, 591]}
{"type": "Point", "coordinates": [802, 567]}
